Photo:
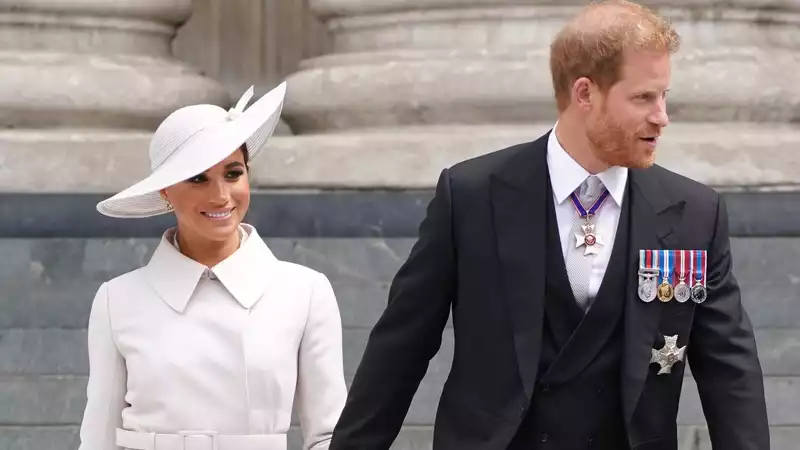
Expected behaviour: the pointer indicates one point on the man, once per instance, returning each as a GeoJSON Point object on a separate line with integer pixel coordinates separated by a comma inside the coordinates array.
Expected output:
{"type": "Point", "coordinates": [551, 255]}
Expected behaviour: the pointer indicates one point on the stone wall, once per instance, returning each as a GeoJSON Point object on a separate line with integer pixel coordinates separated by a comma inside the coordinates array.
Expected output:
{"type": "Point", "coordinates": [359, 240]}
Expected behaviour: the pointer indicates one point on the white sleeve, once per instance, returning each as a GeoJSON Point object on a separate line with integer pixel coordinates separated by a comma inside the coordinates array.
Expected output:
{"type": "Point", "coordinates": [106, 388]}
{"type": "Point", "coordinates": [321, 387]}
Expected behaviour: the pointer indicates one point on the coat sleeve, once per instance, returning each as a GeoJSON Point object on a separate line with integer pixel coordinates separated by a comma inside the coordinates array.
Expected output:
{"type": "Point", "coordinates": [406, 337]}
{"type": "Point", "coordinates": [321, 386]}
{"type": "Point", "coordinates": [106, 388]}
{"type": "Point", "coordinates": [723, 355]}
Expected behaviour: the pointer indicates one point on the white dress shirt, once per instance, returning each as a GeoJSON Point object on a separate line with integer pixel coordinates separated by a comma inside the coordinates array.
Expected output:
{"type": "Point", "coordinates": [172, 349]}
{"type": "Point", "coordinates": [566, 175]}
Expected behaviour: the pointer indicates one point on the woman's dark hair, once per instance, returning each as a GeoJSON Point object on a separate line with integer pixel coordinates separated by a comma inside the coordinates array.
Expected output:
{"type": "Point", "coordinates": [245, 155]}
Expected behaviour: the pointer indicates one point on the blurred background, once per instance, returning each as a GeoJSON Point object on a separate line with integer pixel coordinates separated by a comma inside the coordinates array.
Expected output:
{"type": "Point", "coordinates": [382, 94]}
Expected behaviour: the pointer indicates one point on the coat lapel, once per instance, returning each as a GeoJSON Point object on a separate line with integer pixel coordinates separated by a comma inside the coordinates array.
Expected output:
{"type": "Point", "coordinates": [519, 197]}
{"type": "Point", "coordinates": [654, 216]}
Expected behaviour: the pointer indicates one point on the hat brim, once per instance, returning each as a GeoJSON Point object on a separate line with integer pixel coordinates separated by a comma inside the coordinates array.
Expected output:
{"type": "Point", "coordinates": [253, 127]}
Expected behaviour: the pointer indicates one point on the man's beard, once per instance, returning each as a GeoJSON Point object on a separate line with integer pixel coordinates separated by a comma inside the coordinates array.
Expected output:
{"type": "Point", "coordinates": [616, 146]}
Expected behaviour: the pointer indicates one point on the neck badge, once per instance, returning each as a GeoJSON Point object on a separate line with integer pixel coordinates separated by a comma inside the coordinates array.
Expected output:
{"type": "Point", "coordinates": [589, 238]}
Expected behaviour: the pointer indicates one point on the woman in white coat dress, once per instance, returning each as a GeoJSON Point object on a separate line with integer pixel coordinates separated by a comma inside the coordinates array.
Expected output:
{"type": "Point", "coordinates": [210, 343]}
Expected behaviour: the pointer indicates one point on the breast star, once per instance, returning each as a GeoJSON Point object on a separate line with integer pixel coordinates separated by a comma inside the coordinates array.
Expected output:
{"type": "Point", "coordinates": [668, 355]}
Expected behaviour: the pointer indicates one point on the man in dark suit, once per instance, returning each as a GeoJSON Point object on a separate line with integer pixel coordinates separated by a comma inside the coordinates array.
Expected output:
{"type": "Point", "coordinates": [550, 255]}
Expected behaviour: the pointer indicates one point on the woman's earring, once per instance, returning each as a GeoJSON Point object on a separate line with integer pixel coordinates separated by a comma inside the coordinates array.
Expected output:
{"type": "Point", "coordinates": [169, 205]}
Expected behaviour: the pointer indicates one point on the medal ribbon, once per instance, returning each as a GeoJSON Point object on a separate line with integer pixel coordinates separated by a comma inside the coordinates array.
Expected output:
{"type": "Point", "coordinates": [583, 212]}
{"type": "Point", "coordinates": [680, 267]}
{"type": "Point", "coordinates": [666, 273]}
{"type": "Point", "coordinates": [700, 269]}
{"type": "Point", "coordinates": [646, 260]}
{"type": "Point", "coordinates": [691, 268]}
{"type": "Point", "coordinates": [651, 260]}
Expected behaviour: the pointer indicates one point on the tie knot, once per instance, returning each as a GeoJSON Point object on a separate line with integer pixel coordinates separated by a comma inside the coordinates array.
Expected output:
{"type": "Point", "coordinates": [590, 189]}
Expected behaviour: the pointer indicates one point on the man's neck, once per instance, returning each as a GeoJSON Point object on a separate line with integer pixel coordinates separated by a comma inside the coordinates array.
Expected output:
{"type": "Point", "coordinates": [573, 140]}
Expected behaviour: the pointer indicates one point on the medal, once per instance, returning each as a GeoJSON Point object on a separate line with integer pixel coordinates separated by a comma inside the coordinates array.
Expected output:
{"type": "Point", "coordinates": [665, 291]}
{"type": "Point", "coordinates": [647, 271]}
{"type": "Point", "coordinates": [646, 291]}
{"type": "Point", "coordinates": [682, 290]}
{"type": "Point", "coordinates": [590, 239]}
{"type": "Point", "coordinates": [699, 293]}
{"type": "Point", "coordinates": [668, 355]}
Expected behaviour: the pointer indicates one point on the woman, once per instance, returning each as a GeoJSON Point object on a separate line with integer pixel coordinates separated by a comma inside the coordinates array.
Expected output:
{"type": "Point", "coordinates": [207, 345]}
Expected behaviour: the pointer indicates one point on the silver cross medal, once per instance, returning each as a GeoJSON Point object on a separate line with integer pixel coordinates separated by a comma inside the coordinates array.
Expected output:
{"type": "Point", "coordinates": [590, 239]}
{"type": "Point", "coordinates": [668, 355]}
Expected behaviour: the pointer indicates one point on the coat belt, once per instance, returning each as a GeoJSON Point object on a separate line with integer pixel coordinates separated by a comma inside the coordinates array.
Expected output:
{"type": "Point", "coordinates": [199, 440]}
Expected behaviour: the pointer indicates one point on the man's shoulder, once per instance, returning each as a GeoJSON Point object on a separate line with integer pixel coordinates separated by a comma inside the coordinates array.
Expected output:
{"type": "Point", "coordinates": [682, 188]}
{"type": "Point", "coordinates": [480, 168]}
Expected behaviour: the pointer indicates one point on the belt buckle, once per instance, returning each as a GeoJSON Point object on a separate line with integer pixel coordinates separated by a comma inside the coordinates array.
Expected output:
{"type": "Point", "coordinates": [199, 433]}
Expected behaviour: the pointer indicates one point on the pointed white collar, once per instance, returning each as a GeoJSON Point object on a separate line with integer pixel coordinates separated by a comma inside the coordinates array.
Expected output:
{"type": "Point", "coordinates": [245, 274]}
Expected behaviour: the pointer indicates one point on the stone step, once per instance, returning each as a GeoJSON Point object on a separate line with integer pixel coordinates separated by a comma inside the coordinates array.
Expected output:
{"type": "Point", "coordinates": [718, 153]}
{"type": "Point", "coordinates": [51, 282]}
{"type": "Point", "coordinates": [781, 438]}
{"type": "Point", "coordinates": [59, 400]}
{"type": "Point", "coordinates": [47, 400]}
{"type": "Point", "coordinates": [409, 438]}
{"type": "Point", "coordinates": [52, 363]}
{"type": "Point", "coordinates": [783, 396]}
{"type": "Point", "coordinates": [64, 352]}
{"type": "Point", "coordinates": [39, 438]}
{"type": "Point", "coordinates": [67, 437]}
{"type": "Point", "coordinates": [764, 210]}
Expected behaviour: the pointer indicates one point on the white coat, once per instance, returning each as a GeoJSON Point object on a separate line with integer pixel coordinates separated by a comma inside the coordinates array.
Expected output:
{"type": "Point", "coordinates": [175, 346]}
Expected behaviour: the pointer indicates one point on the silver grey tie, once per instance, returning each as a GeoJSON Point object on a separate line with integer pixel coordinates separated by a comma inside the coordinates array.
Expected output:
{"type": "Point", "coordinates": [579, 266]}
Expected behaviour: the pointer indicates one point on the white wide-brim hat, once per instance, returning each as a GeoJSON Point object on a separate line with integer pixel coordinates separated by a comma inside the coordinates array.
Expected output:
{"type": "Point", "coordinates": [190, 141]}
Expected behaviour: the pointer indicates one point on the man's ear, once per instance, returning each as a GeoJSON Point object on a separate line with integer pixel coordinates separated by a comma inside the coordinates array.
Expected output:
{"type": "Point", "coordinates": [583, 93]}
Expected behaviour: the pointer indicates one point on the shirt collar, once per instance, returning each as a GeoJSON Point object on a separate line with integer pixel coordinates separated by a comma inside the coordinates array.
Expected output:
{"type": "Point", "coordinates": [245, 273]}
{"type": "Point", "coordinates": [566, 175]}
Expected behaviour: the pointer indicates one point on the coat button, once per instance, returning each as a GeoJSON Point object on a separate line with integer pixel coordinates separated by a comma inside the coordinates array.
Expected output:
{"type": "Point", "coordinates": [590, 441]}
{"type": "Point", "coordinates": [599, 391]}
{"type": "Point", "coordinates": [544, 438]}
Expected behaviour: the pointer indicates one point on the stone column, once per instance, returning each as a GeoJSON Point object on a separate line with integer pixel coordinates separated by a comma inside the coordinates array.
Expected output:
{"type": "Point", "coordinates": [414, 85]}
{"type": "Point", "coordinates": [250, 42]}
{"type": "Point", "coordinates": [84, 84]}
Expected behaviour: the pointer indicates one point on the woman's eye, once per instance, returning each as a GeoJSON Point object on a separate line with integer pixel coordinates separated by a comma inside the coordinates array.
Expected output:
{"type": "Point", "coordinates": [197, 179]}
{"type": "Point", "coordinates": [234, 174]}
